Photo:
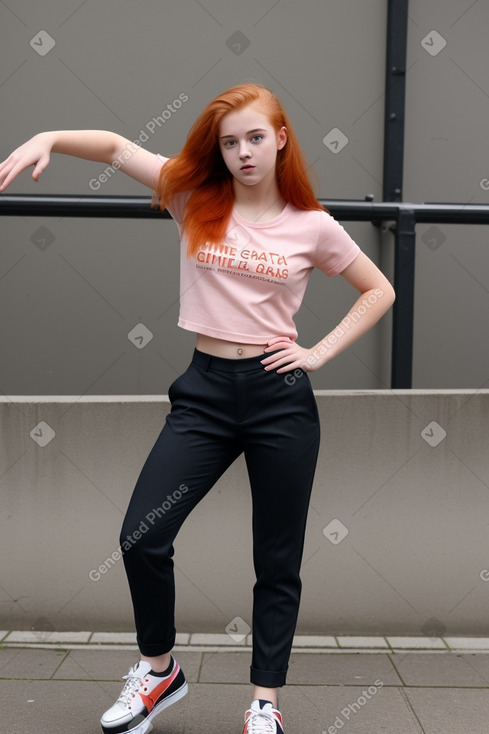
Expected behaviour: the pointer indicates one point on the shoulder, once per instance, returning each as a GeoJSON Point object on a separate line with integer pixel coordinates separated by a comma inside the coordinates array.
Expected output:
{"type": "Point", "coordinates": [335, 248]}
{"type": "Point", "coordinates": [318, 222]}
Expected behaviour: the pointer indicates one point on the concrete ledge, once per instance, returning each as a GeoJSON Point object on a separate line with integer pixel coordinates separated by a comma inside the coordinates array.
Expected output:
{"type": "Point", "coordinates": [397, 532]}
{"type": "Point", "coordinates": [199, 642]}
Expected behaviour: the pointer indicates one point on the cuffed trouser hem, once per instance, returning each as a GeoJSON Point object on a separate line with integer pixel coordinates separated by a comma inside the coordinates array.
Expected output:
{"type": "Point", "coordinates": [267, 678]}
{"type": "Point", "coordinates": [157, 648]}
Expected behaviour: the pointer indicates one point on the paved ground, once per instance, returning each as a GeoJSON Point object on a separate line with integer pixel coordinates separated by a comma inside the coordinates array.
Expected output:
{"type": "Point", "coordinates": [57, 683]}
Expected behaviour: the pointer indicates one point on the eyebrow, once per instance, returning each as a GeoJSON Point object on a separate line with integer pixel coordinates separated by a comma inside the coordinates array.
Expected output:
{"type": "Point", "coordinates": [256, 130]}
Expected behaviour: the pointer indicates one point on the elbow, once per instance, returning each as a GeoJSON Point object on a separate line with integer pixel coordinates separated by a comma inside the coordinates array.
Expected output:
{"type": "Point", "coordinates": [386, 294]}
{"type": "Point", "coordinates": [388, 291]}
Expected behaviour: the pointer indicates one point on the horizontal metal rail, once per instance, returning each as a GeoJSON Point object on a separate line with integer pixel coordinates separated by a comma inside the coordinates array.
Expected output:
{"type": "Point", "coordinates": [403, 215]}
{"type": "Point", "coordinates": [139, 207]}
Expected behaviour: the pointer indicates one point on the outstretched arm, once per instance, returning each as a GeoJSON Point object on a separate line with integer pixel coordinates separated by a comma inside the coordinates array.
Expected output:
{"type": "Point", "coordinates": [93, 145]}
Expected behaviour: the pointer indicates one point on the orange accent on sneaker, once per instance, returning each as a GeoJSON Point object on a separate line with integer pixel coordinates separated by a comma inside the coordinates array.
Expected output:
{"type": "Point", "coordinates": [151, 699]}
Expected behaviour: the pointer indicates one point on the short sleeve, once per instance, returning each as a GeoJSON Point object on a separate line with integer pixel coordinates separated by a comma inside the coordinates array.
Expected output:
{"type": "Point", "coordinates": [179, 200]}
{"type": "Point", "coordinates": [335, 249]}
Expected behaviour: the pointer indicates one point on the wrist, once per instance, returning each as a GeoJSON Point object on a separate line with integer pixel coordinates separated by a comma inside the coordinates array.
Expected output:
{"type": "Point", "coordinates": [319, 355]}
{"type": "Point", "coordinates": [48, 139]}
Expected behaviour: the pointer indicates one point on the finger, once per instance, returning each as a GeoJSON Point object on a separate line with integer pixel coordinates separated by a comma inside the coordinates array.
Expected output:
{"type": "Point", "coordinates": [274, 357]}
{"type": "Point", "coordinates": [3, 164]}
{"type": "Point", "coordinates": [296, 361]}
{"type": "Point", "coordinates": [279, 339]}
{"type": "Point", "coordinates": [289, 368]}
{"type": "Point", "coordinates": [4, 169]}
{"type": "Point", "coordinates": [39, 168]}
{"type": "Point", "coordinates": [9, 177]}
{"type": "Point", "coordinates": [278, 345]}
{"type": "Point", "coordinates": [278, 362]}
{"type": "Point", "coordinates": [15, 170]}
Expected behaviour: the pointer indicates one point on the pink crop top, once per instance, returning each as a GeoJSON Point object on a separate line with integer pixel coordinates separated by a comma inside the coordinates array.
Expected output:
{"type": "Point", "coordinates": [249, 288]}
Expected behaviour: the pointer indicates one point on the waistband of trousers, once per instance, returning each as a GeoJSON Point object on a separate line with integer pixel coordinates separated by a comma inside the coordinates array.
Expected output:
{"type": "Point", "coordinates": [222, 364]}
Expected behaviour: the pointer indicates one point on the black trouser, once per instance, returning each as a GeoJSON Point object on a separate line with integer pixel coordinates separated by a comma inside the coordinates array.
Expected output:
{"type": "Point", "coordinates": [221, 408]}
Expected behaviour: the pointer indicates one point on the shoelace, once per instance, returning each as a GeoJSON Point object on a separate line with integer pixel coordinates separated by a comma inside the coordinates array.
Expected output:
{"type": "Point", "coordinates": [131, 687]}
{"type": "Point", "coordinates": [261, 724]}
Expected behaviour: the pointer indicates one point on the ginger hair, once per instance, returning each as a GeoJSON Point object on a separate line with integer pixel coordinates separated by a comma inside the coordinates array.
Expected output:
{"type": "Point", "coordinates": [200, 169]}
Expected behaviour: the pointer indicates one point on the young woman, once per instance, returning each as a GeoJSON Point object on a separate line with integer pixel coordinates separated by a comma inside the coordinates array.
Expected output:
{"type": "Point", "coordinates": [251, 232]}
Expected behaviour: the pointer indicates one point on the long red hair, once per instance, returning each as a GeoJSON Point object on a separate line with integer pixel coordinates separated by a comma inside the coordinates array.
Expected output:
{"type": "Point", "coordinates": [200, 168]}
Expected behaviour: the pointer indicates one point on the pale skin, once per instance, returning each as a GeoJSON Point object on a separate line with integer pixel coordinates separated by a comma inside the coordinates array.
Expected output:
{"type": "Point", "coordinates": [246, 138]}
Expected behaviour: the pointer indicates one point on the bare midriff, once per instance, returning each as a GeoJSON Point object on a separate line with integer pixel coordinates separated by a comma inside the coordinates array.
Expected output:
{"type": "Point", "coordinates": [227, 349]}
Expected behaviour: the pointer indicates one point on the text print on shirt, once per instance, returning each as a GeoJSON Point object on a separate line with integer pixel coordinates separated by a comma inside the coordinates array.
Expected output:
{"type": "Point", "coordinates": [245, 261]}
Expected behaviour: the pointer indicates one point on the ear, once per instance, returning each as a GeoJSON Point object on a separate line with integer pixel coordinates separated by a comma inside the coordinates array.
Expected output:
{"type": "Point", "coordinates": [281, 138]}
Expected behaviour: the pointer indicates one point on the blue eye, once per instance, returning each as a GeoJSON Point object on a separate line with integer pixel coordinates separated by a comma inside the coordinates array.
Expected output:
{"type": "Point", "coordinates": [260, 137]}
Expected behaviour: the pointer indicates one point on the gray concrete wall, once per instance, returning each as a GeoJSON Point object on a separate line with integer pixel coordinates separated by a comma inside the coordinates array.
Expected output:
{"type": "Point", "coordinates": [72, 290]}
{"type": "Point", "coordinates": [397, 531]}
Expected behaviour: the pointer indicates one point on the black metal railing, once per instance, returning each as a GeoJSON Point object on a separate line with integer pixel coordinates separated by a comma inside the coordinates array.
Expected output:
{"type": "Point", "coordinates": [402, 216]}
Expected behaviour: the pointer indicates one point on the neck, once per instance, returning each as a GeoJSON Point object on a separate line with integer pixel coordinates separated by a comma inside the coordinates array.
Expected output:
{"type": "Point", "coordinates": [262, 199]}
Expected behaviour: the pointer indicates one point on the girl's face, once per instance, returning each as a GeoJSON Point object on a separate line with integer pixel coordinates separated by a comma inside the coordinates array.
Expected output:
{"type": "Point", "coordinates": [249, 145]}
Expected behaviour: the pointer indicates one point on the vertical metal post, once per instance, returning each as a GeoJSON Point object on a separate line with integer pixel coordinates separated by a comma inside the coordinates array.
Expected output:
{"type": "Point", "coordinates": [395, 92]}
{"type": "Point", "coordinates": [403, 314]}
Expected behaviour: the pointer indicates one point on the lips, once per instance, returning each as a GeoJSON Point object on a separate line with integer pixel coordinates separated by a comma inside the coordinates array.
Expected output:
{"type": "Point", "coordinates": [247, 168]}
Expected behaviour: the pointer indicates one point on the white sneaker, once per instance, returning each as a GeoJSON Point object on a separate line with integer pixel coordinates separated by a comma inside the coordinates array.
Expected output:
{"type": "Point", "coordinates": [262, 718]}
{"type": "Point", "coordinates": [145, 694]}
